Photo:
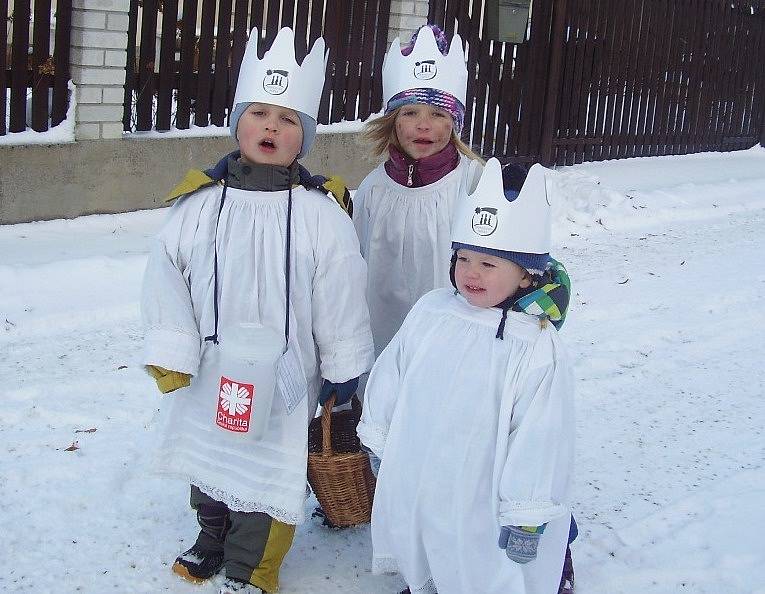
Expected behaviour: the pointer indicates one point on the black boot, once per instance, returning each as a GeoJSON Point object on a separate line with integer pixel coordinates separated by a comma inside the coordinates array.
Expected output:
{"type": "Point", "coordinates": [205, 558]}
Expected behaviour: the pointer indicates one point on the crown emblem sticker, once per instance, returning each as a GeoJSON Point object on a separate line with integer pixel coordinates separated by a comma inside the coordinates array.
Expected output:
{"type": "Point", "coordinates": [276, 82]}
{"type": "Point", "coordinates": [485, 221]}
{"type": "Point", "coordinates": [425, 69]}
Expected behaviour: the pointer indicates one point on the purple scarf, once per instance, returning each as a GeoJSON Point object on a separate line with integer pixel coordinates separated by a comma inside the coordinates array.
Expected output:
{"type": "Point", "coordinates": [412, 173]}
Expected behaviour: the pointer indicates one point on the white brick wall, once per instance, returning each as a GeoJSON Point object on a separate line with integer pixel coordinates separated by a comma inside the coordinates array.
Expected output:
{"type": "Point", "coordinates": [406, 16]}
{"type": "Point", "coordinates": [97, 61]}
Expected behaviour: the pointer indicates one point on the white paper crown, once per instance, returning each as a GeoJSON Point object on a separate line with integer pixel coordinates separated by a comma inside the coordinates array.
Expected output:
{"type": "Point", "coordinates": [485, 218]}
{"type": "Point", "coordinates": [278, 79]}
{"type": "Point", "coordinates": [425, 67]}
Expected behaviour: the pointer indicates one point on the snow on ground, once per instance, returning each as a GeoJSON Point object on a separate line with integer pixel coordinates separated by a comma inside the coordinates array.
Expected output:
{"type": "Point", "coordinates": [666, 325]}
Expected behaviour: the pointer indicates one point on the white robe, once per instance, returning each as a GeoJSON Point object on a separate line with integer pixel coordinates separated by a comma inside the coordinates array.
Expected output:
{"type": "Point", "coordinates": [329, 329]}
{"type": "Point", "coordinates": [474, 433]}
{"type": "Point", "coordinates": [405, 237]}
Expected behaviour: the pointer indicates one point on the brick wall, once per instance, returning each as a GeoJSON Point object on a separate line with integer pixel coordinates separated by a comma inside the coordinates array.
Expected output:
{"type": "Point", "coordinates": [406, 16]}
{"type": "Point", "coordinates": [97, 61]}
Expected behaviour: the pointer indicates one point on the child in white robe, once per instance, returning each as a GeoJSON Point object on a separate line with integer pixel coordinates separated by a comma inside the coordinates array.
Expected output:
{"type": "Point", "coordinates": [255, 249]}
{"type": "Point", "coordinates": [470, 409]}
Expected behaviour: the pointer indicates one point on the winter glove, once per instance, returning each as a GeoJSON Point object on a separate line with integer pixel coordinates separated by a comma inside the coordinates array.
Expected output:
{"type": "Point", "coordinates": [343, 392]}
{"type": "Point", "coordinates": [167, 380]}
{"type": "Point", "coordinates": [520, 542]}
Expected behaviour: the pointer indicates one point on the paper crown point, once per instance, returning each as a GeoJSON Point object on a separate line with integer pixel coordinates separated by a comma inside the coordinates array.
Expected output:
{"type": "Point", "coordinates": [277, 78]}
{"type": "Point", "coordinates": [425, 67]}
{"type": "Point", "coordinates": [484, 217]}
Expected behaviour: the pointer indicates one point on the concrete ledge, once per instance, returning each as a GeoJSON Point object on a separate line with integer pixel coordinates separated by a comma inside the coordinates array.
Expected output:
{"type": "Point", "coordinates": [42, 182]}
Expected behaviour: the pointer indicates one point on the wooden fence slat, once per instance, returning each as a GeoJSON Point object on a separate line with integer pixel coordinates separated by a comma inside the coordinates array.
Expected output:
{"type": "Point", "coordinates": [3, 66]}
{"type": "Point", "coordinates": [727, 78]}
{"type": "Point", "coordinates": [714, 77]}
{"type": "Point", "coordinates": [317, 17]}
{"type": "Point", "coordinates": [301, 29]}
{"type": "Point", "coordinates": [504, 96]}
{"type": "Point", "coordinates": [594, 93]}
{"type": "Point", "coordinates": [256, 15]}
{"type": "Point", "coordinates": [238, 45]}
{"type": "Point", "coordinates": [131, 74]}
{"type": "Point", "coordinates": [679, 137]}
{"type": "Point", "coordinates": [472, 67]}
{"type": "Point", "coordinates": [204, 82]}
{"type": "Point", "coordinates": [42, 65]}
{"type": "Point", "coordinates": [220, 92]}
{"type": "Point", "coordinates": [624, 103]}
{"type": "Point", "coordinates": [569, 57]}
{"type": "Point", "coordinates": [695, 74]}
{"type": "Point", "coordinates": [550, 118]}
{"type": "Point", "coordinates": [21, 17]}
{"type": "Point", "coordinates": [367, 61]}
{"type": "Point", "coordinates": [748, 75]}
{"type": "Point", "coordinates": [288, 14]}
{"type": "Point", "coordinates": [381, 45]}
{"type": "Point", "coordinates": [586, 93]}
{"type": "Point", "coordinates": [579, 23]}
{"type": "Point", "coordinates": [696, 77]}
{"type": "Point", "coordinates": [353, 81]}
{"type": "Point", "coordinates": [272, 26]}
{"type": "Point", "coordinates": [187, 66]}
{"type": "Point", "coordinates": [741, 48]}
{"type": "Point", "coordinates": [340, 73]}
{"type": "Point", "coordinates": [540, 43]}
{"type": "Point", "coordinates": [166, 65]}
{"type": "Point", "coordinates": [636, 79]}
{"type": "Point", "coordinates": [758, 90]}
{"type": "Point", "coordinates": [146, 62]}
{"type": "Point", "coordinates": [331, 40]}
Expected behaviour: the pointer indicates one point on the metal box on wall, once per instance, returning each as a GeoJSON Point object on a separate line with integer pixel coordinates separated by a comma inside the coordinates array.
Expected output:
{"type": "Point", "coordinates": [507, 20]}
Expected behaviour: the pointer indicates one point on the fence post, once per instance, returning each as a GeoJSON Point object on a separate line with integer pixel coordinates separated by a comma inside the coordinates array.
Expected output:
{"type": "Point", "coordinates": [97, 63]}
{"type": "Point", "coordinates": [553, 81]}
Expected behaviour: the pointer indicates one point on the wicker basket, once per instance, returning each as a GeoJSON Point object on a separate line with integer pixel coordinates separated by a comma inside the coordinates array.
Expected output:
{"type": "Point", "coordinates": [338, 471]}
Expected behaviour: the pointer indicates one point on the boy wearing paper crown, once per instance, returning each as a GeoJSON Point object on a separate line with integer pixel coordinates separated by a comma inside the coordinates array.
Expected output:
{"type": "Point", "coordinates": [253, 245]}
{"type": "Point", "coordinates": [470, 408]}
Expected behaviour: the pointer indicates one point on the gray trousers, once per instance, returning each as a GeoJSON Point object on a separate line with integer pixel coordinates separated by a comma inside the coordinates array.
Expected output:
{"type": "Point", "coordinates": [254, 544]}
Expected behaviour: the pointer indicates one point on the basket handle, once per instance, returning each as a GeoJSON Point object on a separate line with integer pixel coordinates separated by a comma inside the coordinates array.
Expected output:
{"type": "Point", "coordinates": [326, 423]}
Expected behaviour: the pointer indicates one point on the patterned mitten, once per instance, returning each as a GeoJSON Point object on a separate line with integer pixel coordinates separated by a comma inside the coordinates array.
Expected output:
{"type": "Point", "coordinates": [520, 542]}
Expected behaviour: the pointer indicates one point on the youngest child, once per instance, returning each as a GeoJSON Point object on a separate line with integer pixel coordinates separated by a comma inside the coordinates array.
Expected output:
{"type": "Point", "coordinates": [470, 409]}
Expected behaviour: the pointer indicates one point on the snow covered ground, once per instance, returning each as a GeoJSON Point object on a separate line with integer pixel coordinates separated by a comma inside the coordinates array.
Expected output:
{"type": "Point", "coordinates": [666, 323]}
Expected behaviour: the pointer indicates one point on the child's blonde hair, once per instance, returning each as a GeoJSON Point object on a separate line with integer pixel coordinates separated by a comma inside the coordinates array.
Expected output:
{"type": "Point", "coordinates": [380, 133]}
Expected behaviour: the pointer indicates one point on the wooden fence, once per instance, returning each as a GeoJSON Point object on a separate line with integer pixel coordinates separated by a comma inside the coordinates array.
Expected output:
{"type": "Point", "coordinates": [193, 79]}
{"type": "Point", "coordinates": [29, 64]}
{"type": "Point", "coordinates": [605, 79]}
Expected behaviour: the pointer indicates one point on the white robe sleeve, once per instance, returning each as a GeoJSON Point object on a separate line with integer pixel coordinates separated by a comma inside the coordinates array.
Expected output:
{"type": "Point", "coordinates": [381, 395]}
{"type": "Point", "coordinates": [339, 307]}
{"type": "Point", "coordinates": [384, 386]}
{"type": "Point", "coordinates": [171, 335]}
{"type": "Point", "coordinates": [533, 485]}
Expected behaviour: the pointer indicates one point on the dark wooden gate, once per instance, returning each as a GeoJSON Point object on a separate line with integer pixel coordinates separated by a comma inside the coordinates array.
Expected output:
{"type": "Point", "coordinates": [201, 44]}
{"type": "Point", "coordinates": [605, 79]}
{"type": "Point", "coordinates": [32, 64]}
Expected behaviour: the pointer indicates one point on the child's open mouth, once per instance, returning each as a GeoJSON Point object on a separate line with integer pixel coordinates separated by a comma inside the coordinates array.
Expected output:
{"type": "Point", "coordinates": [267, 145]}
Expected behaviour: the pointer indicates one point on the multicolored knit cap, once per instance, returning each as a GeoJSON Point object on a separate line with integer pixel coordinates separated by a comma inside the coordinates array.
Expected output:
{"type": "Point", "coordinates": [429, 96]}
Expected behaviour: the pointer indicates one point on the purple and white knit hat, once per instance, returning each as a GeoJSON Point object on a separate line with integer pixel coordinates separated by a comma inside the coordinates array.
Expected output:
{"type": "Point", "coordinates": [426, 95]}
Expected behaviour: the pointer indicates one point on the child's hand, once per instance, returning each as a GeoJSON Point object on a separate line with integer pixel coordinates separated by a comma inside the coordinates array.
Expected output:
{"type": "Point", "coordinates": [343, 392]}
{"type": "Point", "coordinates": [167, 380]}
{"type": "Point", "coordinates": [520, 542]}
